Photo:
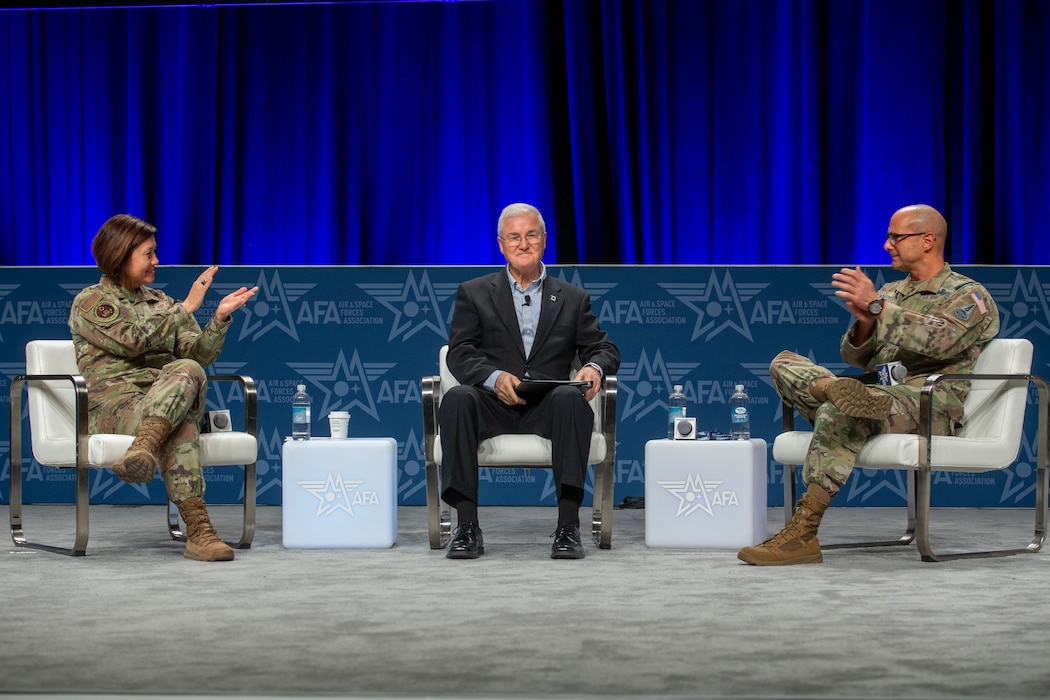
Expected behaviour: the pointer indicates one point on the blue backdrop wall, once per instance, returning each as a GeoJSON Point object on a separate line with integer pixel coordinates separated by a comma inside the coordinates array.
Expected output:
{"type": "Point", "coordinates": [648, 131]}
{"type": "Point", "coordinates": [362, 337]}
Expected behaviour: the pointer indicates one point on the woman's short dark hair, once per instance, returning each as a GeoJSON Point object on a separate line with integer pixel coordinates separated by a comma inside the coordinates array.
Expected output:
{"type": "Point", "coordinates": [115, 241]}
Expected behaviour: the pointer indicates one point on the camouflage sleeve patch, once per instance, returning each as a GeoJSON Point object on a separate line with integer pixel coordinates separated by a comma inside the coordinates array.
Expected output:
{"type": "Point", "coordinates": [103, 313]}
{"type": "Point", "coordinates": [963, 313]}
{"type": "Point", "coordinates": [97, 308]}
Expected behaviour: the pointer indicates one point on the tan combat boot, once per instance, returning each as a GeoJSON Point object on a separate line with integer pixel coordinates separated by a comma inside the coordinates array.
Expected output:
{"type": "Point", "coordinates": [202, 543]}
{"type": "Point", "coordinates": [852, 397]}
{"type": "Point", "coordinates": [142, 458]}
{"type": "Point", "coordinates": [797, 543]}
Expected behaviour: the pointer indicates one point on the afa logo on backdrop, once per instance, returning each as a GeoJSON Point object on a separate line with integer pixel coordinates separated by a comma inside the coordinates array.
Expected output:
{"type": "Point", "coordinates": [1021, 480]}
{"type": "Point", "coordinates": [596, 290]}
{"type": "Point", "coordinates": [717, 303]}
{"type": "Point", "coordinates": [346, 384]}
{"type": "Point", "coordinates": [5, 469]}
{"type": "Point", "coordinates": [412, 460]}
{"type": "Point", "coordinates": [417, 305]}
{"type": "Point", "coordinates": [644, 384]}
{"type": "Point", "coordinates": [267, 471]}
{"type": "Point", "coordinates": [1023, 306]}
{"type": "Point", "coordinates": [274, 308]}
{"type": "Point", "coordinates": [225, 394]}
{"type": "Point", "coordinates": [6, 289]}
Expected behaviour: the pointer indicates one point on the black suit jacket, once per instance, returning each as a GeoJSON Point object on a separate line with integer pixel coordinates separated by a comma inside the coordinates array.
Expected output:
{"type": "Point", "coordinates": [485, 337]}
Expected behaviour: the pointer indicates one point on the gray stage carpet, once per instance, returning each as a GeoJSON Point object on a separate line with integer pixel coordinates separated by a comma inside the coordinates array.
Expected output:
{"type": "Point", "coordinates": [136, 618]}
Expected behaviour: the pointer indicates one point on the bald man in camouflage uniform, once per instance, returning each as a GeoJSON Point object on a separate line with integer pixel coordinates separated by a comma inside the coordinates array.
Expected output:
{"type": "Point", "coordinates": [933, 321]}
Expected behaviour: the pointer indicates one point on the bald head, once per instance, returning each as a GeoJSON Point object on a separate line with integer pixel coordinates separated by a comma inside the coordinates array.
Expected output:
{"type": "Point", "coordinates": [923, 217]}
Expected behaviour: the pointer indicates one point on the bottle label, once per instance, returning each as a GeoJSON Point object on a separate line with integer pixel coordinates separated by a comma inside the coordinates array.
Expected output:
{"type": "Point", "coordinates": [740, 414]}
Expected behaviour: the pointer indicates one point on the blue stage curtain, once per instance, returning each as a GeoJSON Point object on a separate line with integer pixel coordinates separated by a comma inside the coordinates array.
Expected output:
{"type": "Point", "coordinates": [648, 131]}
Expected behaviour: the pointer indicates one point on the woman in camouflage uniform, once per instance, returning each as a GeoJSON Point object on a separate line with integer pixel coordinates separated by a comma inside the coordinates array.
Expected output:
{"type": "Point", "coordinates": [143, 355]}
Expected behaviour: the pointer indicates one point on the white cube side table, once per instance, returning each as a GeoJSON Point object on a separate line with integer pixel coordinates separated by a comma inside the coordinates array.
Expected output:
{"type": "Point", "coordinates": [339, 493]}
{"type": "Point", "coordinates": [705, 493]}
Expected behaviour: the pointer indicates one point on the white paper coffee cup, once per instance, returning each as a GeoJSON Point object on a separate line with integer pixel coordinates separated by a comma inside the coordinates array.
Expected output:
{"type": "Point", "coordinates": [338, 422]}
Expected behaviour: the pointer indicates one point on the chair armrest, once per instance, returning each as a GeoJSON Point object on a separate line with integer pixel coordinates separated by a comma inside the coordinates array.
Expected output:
{"type": "Point", "coordinates": [431, 397]}
{"type": "Point", "coordinates": [787, 417]}
{"type": "Point", "coordinates": [926, 406]}
{"type": "Point", "coordinates": [608, 404]}
{"type": "Point", "coordinates": [80, 408]}
{"type": "Point", "coordinates": [251, 398]}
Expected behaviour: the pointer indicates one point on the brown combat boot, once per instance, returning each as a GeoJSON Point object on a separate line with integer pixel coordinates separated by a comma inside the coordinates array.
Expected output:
{"type": "Point", "coordinates": [202, 543]}
{"type": "Point", "coordinates": [797, 543]}
{"type": "Point", "coordinates": [142, 458]}
{"type": "Point", "coordinates": [855, 399]}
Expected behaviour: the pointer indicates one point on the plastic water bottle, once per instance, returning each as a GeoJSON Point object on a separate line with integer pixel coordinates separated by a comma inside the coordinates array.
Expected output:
{"type": "Point", "coordinates": [675, 409]}
{"type": "Point", "coordinates": [301, 414]}
{"type": "Point", "coordinates": [740, 415]}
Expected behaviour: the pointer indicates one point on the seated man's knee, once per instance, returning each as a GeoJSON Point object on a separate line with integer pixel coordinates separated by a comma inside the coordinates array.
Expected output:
{"type": "Point", "coordinates": [567, 403]}
{"type": "Point", "coordinates": [782, 358]}
{"type": "Point", "coordinates": [567, 396]}
{"type": "Point", "coordinates": [459, 399]}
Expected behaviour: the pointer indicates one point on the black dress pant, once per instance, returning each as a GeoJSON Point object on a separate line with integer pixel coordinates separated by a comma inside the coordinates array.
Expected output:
{"type": "Point", "coordinates": [469, 415]}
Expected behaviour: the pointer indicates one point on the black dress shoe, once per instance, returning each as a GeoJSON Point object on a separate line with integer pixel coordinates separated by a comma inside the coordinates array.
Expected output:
{"type": "Point", "coordinates": [466, 542]}
{"type": "Point", "coordinates": [567, 543]}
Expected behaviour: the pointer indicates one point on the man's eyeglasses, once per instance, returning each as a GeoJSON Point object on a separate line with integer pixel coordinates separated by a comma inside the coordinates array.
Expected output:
{"type": "Point", "coordinates": [515, 239]}
{"type": "Point", "coordinates": [895, 238]}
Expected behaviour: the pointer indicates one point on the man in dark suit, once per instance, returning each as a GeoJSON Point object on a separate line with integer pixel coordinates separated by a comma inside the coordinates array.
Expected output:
{"type": "Point", "coordinates": [507, 326]}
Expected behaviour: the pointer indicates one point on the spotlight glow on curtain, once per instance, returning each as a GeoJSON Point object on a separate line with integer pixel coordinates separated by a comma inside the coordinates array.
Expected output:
{"type": "Point", "coordinates": [648, 131]}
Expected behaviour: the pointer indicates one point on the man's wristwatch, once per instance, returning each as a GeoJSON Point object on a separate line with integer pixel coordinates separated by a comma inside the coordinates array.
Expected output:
{"type": "Point", "coordinates": [875, 307]}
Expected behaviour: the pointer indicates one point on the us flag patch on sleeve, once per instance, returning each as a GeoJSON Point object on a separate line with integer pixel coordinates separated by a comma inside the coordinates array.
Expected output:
{"type": "Point", "coordinates": [980, 302]}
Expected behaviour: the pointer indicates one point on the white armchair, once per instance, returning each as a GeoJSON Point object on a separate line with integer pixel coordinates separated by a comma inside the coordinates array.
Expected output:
{"type": "Point", "coordinates": [990, 440]}
{"type": "Point", "coordinates": [520, 451]}
{"type": "Point", "coordinates": [58, 420]}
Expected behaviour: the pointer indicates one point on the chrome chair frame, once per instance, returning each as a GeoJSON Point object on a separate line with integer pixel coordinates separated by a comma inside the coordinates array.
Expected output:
{"type": "Point", "coordinates": [919, 477]}
{"type": "Point", "coordinates": [79, 547]}
{"type": "Point", "coordinates": [439, 516]}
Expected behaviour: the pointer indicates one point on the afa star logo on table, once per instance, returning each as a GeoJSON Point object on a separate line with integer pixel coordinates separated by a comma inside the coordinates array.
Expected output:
{"type": "Point", "coordinates": [417, 306]}
{"type": "Point", "coordinates": [695, 494]}
{"type": "Point", "coordinates": [719, 305]}
{"type": "Point", "coordinates": [332, 494]}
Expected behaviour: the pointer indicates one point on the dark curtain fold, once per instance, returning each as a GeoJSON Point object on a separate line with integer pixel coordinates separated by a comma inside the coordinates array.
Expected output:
{"type": "Point", "coordinates": [648, 131]}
